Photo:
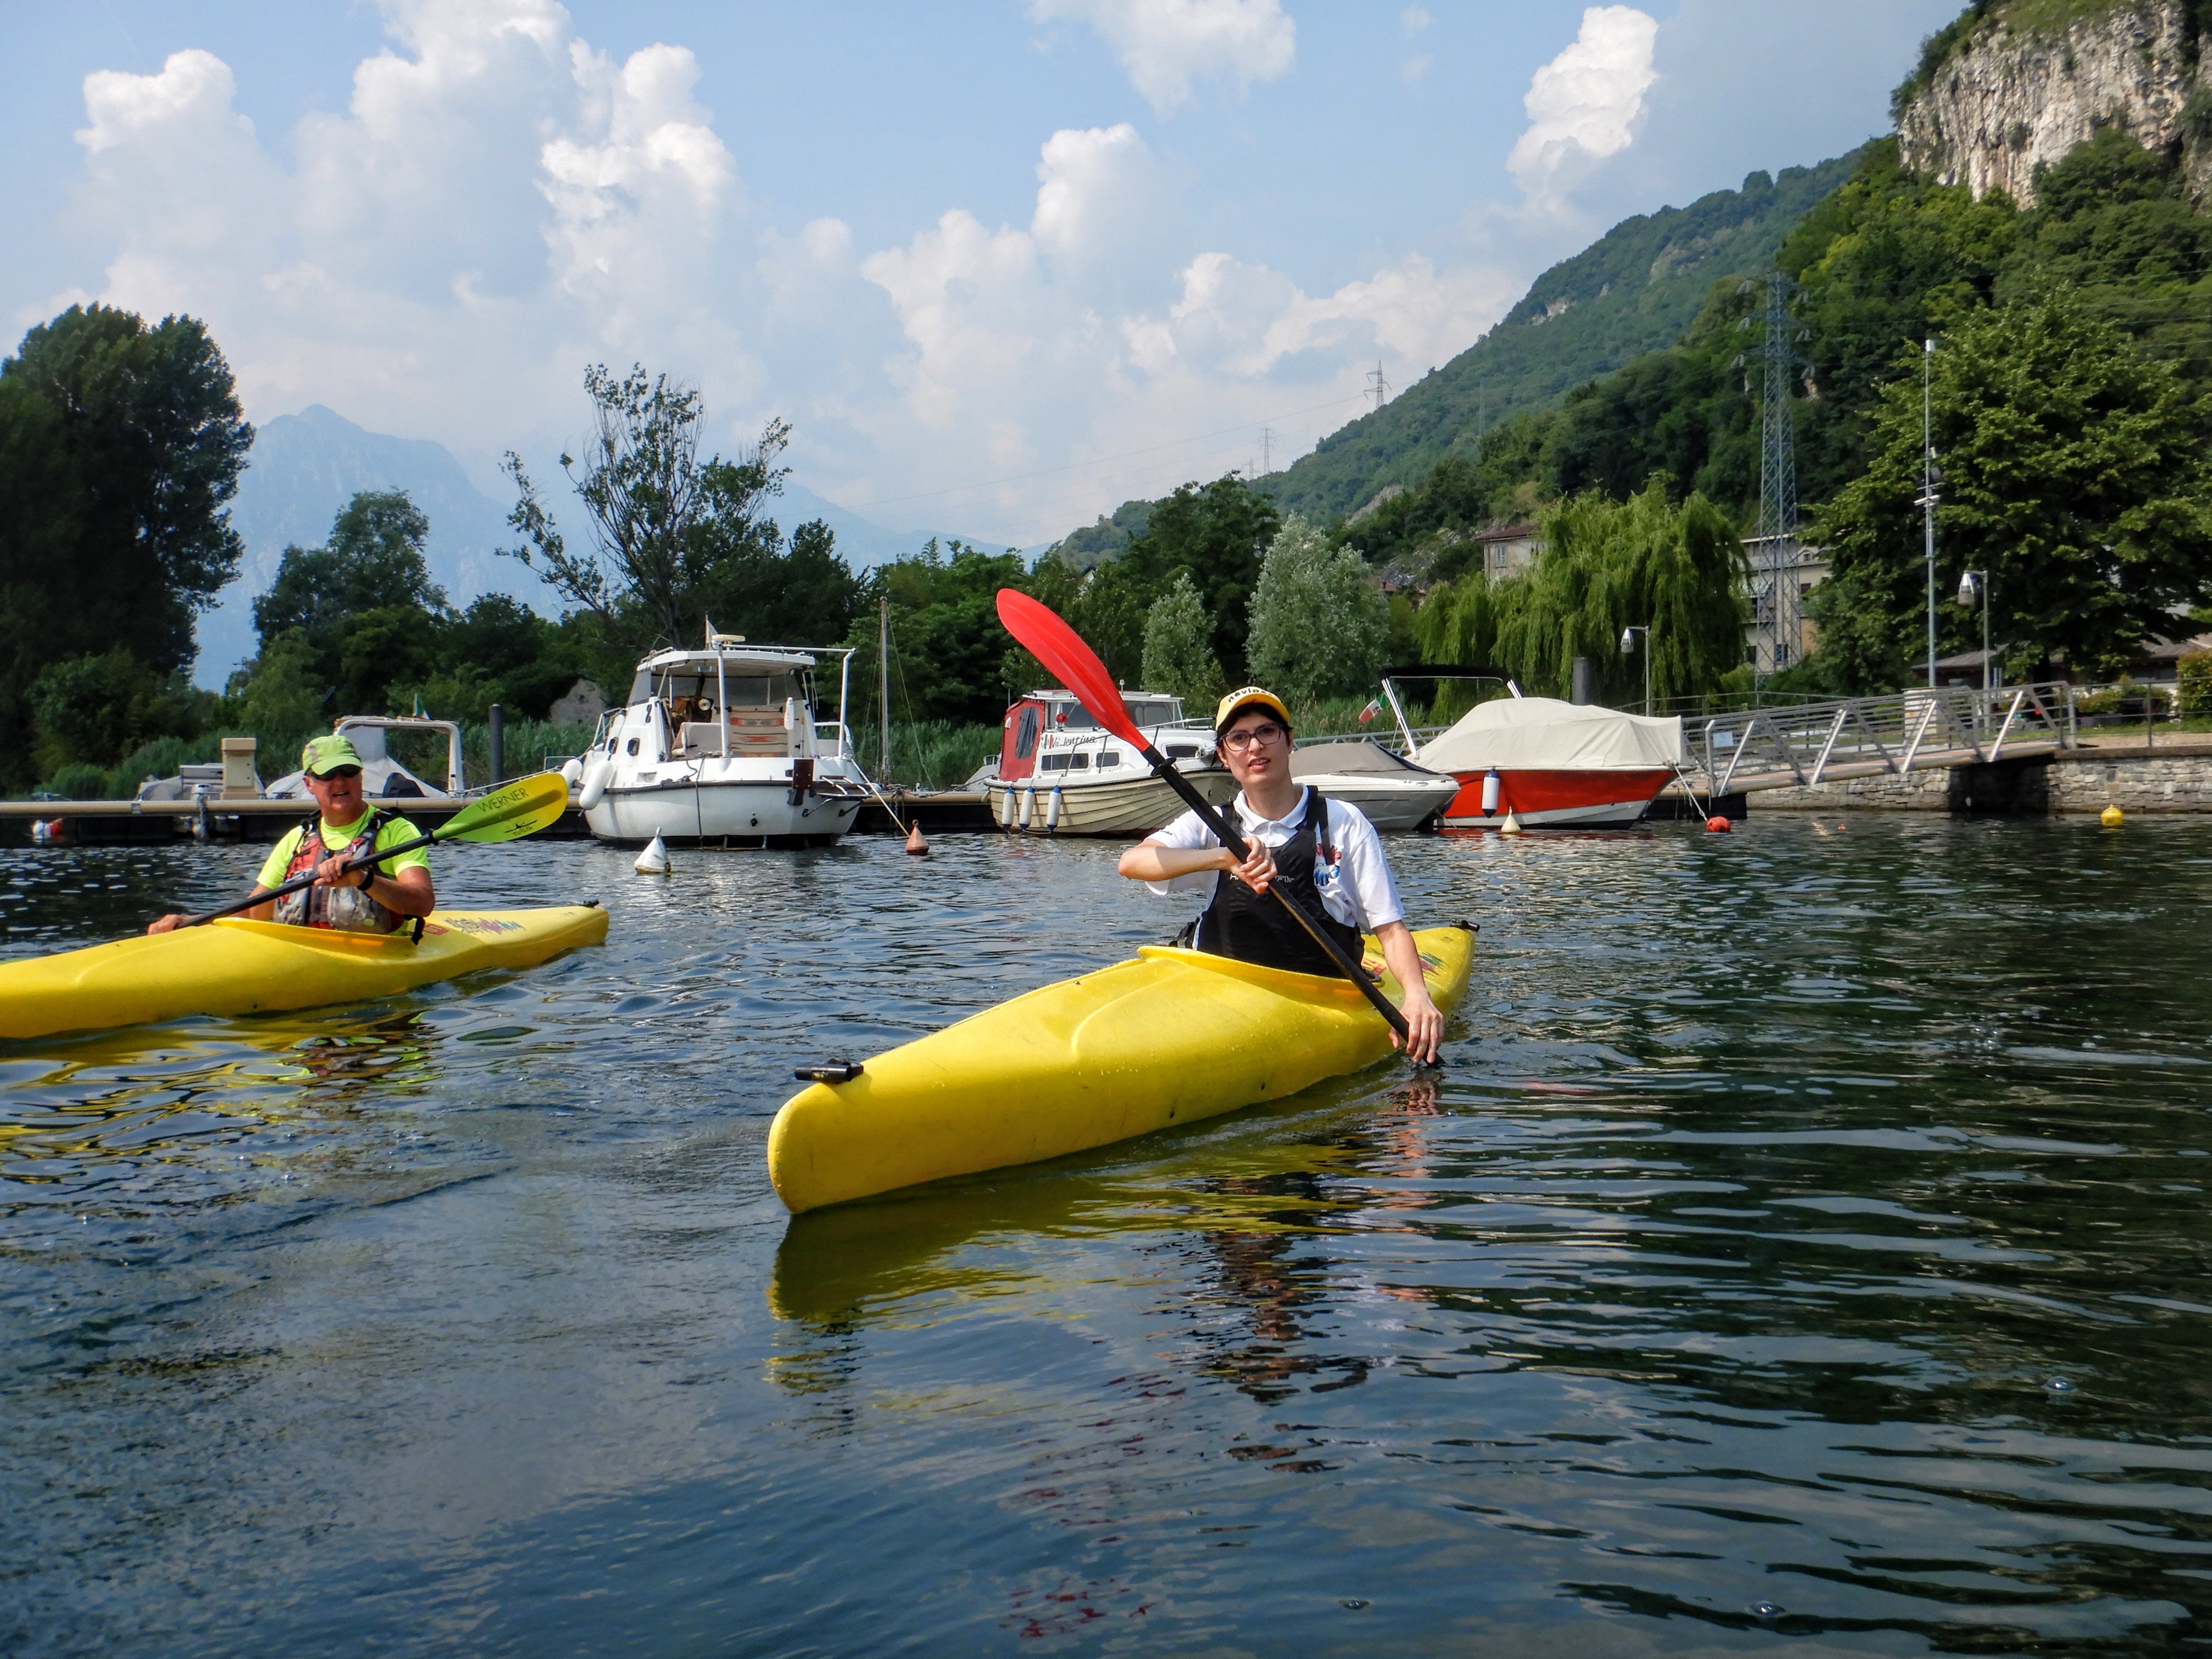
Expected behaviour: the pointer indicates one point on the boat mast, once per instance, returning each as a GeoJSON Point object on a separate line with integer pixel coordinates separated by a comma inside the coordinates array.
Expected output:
{"type": "Point", "coordinates": [884, 693]}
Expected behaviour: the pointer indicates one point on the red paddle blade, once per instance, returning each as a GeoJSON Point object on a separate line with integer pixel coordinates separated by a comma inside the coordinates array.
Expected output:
{"type": "Point", "coordinates": [1075, 664]}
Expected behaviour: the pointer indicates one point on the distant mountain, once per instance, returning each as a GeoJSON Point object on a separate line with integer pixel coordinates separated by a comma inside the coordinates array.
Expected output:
{"type": "Point", "coordinates": [303, 469]}
{"type": "Point", "coordinates": [1635, 289]}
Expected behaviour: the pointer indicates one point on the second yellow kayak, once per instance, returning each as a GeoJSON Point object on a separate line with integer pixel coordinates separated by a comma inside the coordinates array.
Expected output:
{"type": "Point", "coordinates": [1172, 1037]}
{"type": "Point", "coordinates": [240, 967]}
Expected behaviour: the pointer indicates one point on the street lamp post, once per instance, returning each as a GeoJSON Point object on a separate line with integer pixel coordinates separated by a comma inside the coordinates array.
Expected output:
{"type": "Point", "coordinates": [1628, 649]}
{"type": "Point", "coordinates": [1972, 585]}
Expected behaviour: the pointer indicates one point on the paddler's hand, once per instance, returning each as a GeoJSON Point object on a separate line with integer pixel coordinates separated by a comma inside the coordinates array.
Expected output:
{"type": "Point", "coordinates": [1425, 1025]}
{"type": "Point", "coordinates": [1258, 869]}
{"type": "Point", "coordinates": [167, 924]}
{"type": "Point", "coordinates": [336, 872]}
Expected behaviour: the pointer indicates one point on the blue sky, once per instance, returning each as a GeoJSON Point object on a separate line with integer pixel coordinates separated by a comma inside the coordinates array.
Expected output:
{"type": "Point", "coordinates": [1002, 264]}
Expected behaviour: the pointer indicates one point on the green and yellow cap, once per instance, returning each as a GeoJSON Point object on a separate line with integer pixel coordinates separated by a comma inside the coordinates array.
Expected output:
{"type": "Point", "coordinates": [323, 755]}
{"type": "Point", "coordinates": [1248, 696]}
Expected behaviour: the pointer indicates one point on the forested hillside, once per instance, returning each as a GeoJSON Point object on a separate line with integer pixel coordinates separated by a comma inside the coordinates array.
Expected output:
{"type": "Point", "coordinates": [1636, 289]}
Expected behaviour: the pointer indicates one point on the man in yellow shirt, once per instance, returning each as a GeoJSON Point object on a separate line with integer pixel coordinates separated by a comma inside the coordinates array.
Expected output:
{"type": "Point", "coordinates": [350, 894]}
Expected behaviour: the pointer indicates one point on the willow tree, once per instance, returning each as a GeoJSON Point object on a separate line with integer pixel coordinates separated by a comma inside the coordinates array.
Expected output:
{"type": "Point", "coordinates": [1605, 566]}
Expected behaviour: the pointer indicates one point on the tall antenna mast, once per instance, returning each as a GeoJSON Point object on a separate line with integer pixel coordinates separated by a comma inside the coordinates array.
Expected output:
{"type": "Point", "coordinates": [1266, 450]}
{"type": "Point", "coordinates": [1778, 480]}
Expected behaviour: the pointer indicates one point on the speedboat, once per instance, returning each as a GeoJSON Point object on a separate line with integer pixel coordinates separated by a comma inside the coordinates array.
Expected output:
{"type": "Point", "coordinates": [1392, 791]}
{"type": "Point", "coordinates": [1060, 773]}
{"type": "Point", "coordinates": [719, 746]}
{"type": "Point", "coordinates": [1541, 763]}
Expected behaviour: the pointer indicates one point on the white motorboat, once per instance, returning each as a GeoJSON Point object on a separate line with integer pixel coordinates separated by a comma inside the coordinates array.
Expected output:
{"type": "Point", "coordinates": [1392, 791]}
{"type": "Point", "coordinates": [719, 746]}
{"type": "Point", "coordinates": [1059, 773]}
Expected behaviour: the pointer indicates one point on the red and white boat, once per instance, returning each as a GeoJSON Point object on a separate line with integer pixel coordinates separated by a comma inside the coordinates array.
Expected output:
{"type": "Point", "coordinates": [1542, 763]}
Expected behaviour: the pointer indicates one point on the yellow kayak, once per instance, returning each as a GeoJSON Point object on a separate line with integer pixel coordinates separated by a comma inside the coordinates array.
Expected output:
{"type": "Point", "coordinates": [1172, 1037]}
{"type": "Point", "coordinates": [240, 967]}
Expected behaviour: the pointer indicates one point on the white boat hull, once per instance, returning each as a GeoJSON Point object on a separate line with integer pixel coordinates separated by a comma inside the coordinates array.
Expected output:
{"type": "Point", "coordinates": [732, 814]}
{"type": "Point", "coordinates": [1388, 802]}
{"type": "Point", "coordinates": [1134, 806]}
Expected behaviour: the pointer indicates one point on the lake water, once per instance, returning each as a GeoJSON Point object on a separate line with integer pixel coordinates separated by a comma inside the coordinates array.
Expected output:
{"type": "Point", "coordinates": [1806, 1250]}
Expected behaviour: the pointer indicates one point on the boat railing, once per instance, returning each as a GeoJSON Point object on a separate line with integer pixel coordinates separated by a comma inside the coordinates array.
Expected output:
{"type": "Point", "coordinates": [1391, 740]}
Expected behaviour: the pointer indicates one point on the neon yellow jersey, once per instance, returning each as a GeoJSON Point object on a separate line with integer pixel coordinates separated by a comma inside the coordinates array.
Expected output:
{"type": "Point", "coordinates": [394, 831]}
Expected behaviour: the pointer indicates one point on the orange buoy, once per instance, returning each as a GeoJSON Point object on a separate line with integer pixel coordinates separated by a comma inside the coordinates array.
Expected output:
{"type": "Point", "coordinates": [915, 843]}
{"type": "Point", "coordinates": [1717, 825]}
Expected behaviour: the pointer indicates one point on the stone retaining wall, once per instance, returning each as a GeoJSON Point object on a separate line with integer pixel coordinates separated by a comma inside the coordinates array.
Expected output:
{"type": "Point", "coordinates": [2135, 780]}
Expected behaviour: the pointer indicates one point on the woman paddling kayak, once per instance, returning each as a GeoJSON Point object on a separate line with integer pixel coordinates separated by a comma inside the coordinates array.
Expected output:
{"type": "Point", "coordinates": [349, 895]}
{"type": "Point", "coordinates": [1324, 852]}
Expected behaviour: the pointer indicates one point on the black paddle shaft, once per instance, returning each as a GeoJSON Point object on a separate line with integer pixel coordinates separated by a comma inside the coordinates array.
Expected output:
{"type": "Point", "coordinates": [1209, 815]}
{"type": "Point", "coordinates": [303, 883]}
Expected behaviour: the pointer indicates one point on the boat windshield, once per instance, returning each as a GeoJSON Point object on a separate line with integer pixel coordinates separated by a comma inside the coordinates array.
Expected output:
{"type": "Point", "coordinates": [748, 687]}
{"type": "Point", "coordinates": [1154, 711]}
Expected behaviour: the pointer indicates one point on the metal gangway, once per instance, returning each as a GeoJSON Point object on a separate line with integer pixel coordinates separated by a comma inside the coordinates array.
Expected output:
{"type": "Point", "coordinates": [1814, 742]}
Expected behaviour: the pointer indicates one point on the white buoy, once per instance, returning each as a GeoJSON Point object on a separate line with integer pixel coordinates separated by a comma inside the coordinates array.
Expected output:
{"type": "Point", "coordinates": [1510, 827]}
{"type": "Point", "coordinates": [653, 862]}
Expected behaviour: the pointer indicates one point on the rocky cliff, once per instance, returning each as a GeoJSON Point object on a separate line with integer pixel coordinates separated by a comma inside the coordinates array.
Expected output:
{"type": "Point", "coordinates": [2029, 80]}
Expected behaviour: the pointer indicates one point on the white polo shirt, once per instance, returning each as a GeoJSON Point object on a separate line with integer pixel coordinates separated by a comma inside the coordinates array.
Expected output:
{"type": "Point", "coordinates": [1358, 892]}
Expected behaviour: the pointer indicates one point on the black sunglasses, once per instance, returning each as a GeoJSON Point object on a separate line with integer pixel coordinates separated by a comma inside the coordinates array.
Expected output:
{"type": "Point", "coordinates": [336, 772]}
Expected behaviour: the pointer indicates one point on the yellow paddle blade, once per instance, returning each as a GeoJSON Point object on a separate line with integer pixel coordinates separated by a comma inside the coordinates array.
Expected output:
{"type": "Point", "coordinates": [511, 811]}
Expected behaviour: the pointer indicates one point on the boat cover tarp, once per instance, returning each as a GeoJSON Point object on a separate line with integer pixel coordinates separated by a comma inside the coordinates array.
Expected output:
{"type": "Point", "coordinates": [1544, 734]}
{"type": "Point", "coordinates": [1363, 759]}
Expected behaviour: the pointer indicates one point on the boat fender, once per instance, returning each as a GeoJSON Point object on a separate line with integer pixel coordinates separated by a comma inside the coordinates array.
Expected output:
{"type": "Point", "coordinates": [1006, 812]}
{"type": "Point", "coordinates": [572, 770]}
{"type": "Point", "coordinates": [1491, 783]}
{"type": "Point", "coordinates": [595, 783]}
{"type": "Point", "coordinates": [1029, 807]}
{"type": "Point", "coordinates": [1052, 811]}
{"type": "Point", "coordinates": [835, 1070]}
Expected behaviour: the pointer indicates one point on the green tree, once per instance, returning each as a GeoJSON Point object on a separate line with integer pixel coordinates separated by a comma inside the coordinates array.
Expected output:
{"type": "Point", "coordinates": [1319, 624]}
{"type": "Point", "coordinates": [2075, 473]}
{"type": "Point", "coordinates": [949, 654]}
{"type": "Point", "coordinates": [1215, 534]}
{"type": "Point", "coordinates": [1605, 566]}
{"type": "Point", "coordinates": [804, 594]}
{"type": "Point", "coordinates": [120, 444]}
{"type": "Point", "coordinates": [95, 709]}
{"type": "Point", "coordinates": [670, 530]}
{"type": "Point", "coordinates": [1179, 647]}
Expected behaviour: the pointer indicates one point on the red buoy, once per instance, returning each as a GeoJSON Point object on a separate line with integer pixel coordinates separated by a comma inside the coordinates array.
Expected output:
{"type": "Point", "coordinates": [1717, 825]}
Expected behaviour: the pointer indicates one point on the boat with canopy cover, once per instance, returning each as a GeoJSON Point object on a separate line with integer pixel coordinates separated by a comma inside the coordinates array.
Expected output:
{"type": "Point", "coordinates": [1549, 763]}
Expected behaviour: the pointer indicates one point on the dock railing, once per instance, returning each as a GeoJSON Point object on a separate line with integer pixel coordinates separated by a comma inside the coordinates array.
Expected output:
{"type": "Point", "coordinates": [1853, 737]}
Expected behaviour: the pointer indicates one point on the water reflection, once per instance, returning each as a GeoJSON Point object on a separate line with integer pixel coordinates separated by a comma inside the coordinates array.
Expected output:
{"type": "Point", "coordinates": [1806, 1246]}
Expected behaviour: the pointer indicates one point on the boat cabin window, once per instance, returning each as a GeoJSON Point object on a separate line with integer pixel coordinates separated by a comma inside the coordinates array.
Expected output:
{"type": "Point", "coordinates": [690, 683]}
{"type": "Point", "coordinates": [1109, 757]}
{"type": "Point", "coordinates": [1154, 711]}
{"type": "Point", "coordinates": [1072, 717]}
{"type": "Point", "coordinates": [1076, 761]}
{"type": "Point", "coordinates": [1182, 751]}
{"type": "Point", "coordinates": [1025, 734]}
{"type": "Point", "coordinates": [1053, 763]}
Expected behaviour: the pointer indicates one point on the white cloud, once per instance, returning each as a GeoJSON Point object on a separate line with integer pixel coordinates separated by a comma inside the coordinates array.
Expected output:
{"type": "Point", "coordinates": [1413, 20]}
{"type": "Point", "coordinates": [499, 203]}
{"type": "Point", "coordinates": [1167, 45]}
{"type": "Point", "coordinates": [1585, 104]}
{"type": "Point", "coordinates": [1414, 68]}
